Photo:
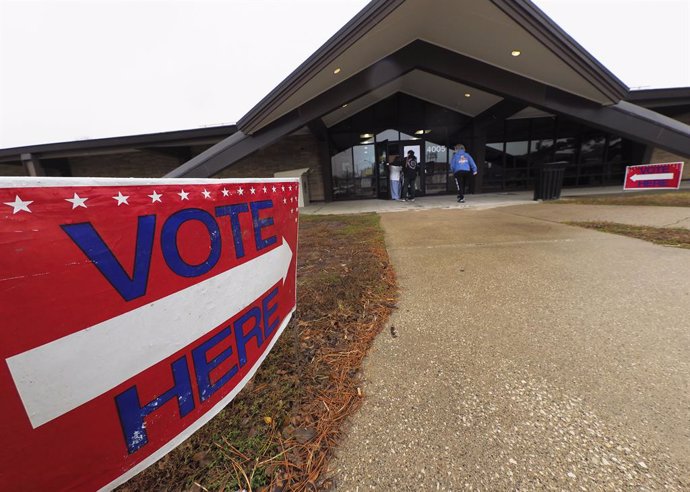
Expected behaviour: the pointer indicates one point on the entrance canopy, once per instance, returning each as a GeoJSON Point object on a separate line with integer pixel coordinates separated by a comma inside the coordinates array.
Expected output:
{"type": "Point", "coordinates": [480, 58]}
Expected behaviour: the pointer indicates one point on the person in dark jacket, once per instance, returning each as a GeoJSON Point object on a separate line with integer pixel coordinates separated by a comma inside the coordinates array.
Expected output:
{"type": "Point", "coordinates": [461, 165]}
{"type": "Point", "coordinates": [411, 168]}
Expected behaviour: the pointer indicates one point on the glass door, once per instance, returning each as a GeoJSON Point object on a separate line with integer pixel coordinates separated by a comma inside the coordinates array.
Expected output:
{"type": "Point", "coordinates": [417, 147]}
{"type": "Point", "coordinates": [382, 185]}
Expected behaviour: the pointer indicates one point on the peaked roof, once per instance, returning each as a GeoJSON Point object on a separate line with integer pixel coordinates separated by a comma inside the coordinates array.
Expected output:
{"type": "Point", "coordinates": [487, 30]}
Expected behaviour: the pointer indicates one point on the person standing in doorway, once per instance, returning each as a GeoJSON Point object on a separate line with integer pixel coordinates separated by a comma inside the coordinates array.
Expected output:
{"type": "Point", "coordinates": [394, 173]}
{"type": "Point", "coordinates": [461, 165]}
{"type": "Point", "coordinates": [411, 169]}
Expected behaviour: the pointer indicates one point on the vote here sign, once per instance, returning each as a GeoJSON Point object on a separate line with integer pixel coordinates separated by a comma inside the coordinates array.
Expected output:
{"type": "Point", "coordinates": [132, 311]}
{"type": "Point", "coordinates": [664, 176]}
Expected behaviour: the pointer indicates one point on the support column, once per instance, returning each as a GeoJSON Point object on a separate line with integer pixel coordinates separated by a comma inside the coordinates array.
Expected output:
{"type": "Point", "coordinates": [32, 165]}
{"type": "Point", "coordinates": [478, 153]}
{"type": "Point", "coordinates": [320, 131]}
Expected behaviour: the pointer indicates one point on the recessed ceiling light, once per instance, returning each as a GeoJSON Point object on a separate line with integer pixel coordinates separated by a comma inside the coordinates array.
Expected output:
{"type": "Point", "coordinates": [337, 70]}
{"type": "Point", "coordinates": [344, 105]}
{"type": "Point", "coordinates": [467, 94]}
{"type": "Point", "coordinates": [366, 135]}
{"type": "Point", "coordinates": [419, 132]}
{"type": "Point", "coordinates": [516, 52]}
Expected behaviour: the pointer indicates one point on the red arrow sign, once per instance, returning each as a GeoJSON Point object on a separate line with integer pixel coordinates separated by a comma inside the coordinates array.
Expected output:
{"type": "Point", "coordinates": [133, 311]}
{"type": "Point", "coordinates": [665, 176]}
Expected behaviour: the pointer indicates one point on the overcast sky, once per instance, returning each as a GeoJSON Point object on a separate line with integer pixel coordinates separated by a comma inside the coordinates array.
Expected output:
{"type": "Point", "coordinates": [73, 70]}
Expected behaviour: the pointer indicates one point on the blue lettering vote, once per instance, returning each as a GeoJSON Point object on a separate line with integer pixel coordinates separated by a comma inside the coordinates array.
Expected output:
{"type": "Point", "coordinates": [85, 236]}
{"type": "Point", "coordinates": [169, 242]}
{"type": "Point", "coordinates": [90, 242]}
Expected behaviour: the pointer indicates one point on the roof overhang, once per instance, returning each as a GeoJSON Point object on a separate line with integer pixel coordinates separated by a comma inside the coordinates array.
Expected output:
{"type": "Point", "coordinates": [130, 143]}
{"type": "Point", "coordinates": [437, 51]}
{"type": "Point", "coordinates": [486, 30]}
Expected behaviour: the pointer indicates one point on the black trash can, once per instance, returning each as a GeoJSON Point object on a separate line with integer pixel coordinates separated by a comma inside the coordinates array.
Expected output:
{"type": "Point", "coordinates": [549, 180]}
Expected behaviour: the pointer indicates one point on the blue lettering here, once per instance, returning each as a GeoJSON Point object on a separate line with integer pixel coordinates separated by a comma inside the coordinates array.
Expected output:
{"type": "Point", "coordinates": [203, 367]}
{"type": "Point", "coordinates": [90, 242]}
{"type": "Point", "coordinates": [132, 413]}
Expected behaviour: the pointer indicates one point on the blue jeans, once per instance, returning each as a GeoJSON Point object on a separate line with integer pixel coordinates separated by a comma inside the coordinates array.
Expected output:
{"type": "Point", "coordinates": [395, 190]}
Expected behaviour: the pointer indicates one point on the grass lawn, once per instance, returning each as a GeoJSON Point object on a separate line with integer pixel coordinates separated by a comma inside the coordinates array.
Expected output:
{"type": "Point", "coordinates": [678, 237]}
{"type": "Point", "coordinates": [279, 432]}
{"type": "Point", "coordinates": [658, 198]}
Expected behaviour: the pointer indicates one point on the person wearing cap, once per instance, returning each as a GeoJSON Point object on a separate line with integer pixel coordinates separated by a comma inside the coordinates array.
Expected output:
{"type": "Point", "coordinates": [411, 169]}
{"type": "Point", "coordinates": [461, 165]}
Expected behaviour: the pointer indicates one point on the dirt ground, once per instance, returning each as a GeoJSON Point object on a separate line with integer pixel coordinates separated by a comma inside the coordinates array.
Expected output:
{"type": "Point", "coordinates": [280, 431]}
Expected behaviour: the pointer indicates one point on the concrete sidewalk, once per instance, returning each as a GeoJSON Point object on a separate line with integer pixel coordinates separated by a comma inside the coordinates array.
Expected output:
{"type": "Point", "coordinates": [530, 355]}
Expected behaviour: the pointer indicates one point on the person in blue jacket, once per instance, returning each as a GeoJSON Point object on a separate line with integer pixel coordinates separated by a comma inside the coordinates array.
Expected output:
{"type": "Point", "coordinates": [461, 165]}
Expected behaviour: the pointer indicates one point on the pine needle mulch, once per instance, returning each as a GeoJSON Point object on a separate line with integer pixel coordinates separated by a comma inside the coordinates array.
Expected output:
{"type": "Point", "coordinates": [279, 433]}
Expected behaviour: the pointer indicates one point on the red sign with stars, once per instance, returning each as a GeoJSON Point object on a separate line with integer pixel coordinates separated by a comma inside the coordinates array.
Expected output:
{"type": "Point", "coordinates": [664, 176]}
{"type": "Point", "coordinates": [132, 312]}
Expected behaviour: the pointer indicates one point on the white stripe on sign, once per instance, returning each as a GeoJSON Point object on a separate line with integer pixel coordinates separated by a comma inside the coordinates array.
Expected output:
{"type": "Point", "coordinates": [652, 177]}
{"type": "Point", "coordinates": [63, 374]}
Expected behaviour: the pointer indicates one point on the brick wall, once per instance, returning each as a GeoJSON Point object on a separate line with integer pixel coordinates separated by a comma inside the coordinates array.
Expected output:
{"type": "Point", "coordinates": [12, 170]}
{"type": "Point", "coordinates": [659, 155]}
{"type": "Point", "coordinates": [292, 152]}
{"type": "Point", "coordinates": [124, 165]}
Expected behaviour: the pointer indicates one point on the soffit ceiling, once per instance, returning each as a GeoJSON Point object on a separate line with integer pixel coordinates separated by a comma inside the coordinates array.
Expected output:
{"type": "Point", "coordinates": [474, 28]}
{"type": "Point", "coordinates": [425, 86]}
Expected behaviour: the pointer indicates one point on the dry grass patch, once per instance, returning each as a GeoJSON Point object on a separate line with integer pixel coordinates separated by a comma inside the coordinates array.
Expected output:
{"type": "Point", "coordinates": [279, 432]}
{"type": "Point", "coordinates": [658, 198]}
{"type": "Point", "coordinates": [677, 237]}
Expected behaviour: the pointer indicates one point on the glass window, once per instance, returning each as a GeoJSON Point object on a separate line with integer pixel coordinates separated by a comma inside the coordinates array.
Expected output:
{"type": "Point", "coordinates": [592, 149]}
{"type": "Point", "coordinates": [436, 167]}
{"type": "Point", "coordinates": [405, 136]}
{"type": "Point", "coordinates": [493, 172]}
{"type": "Point", "coordinates": [541, 143]}
{"type": "Point", "coordinates": [364, 158]}
{"type": "Point", "coordinates": [388, 135]}
{"type": "Point", "coordinates": [343, 179]}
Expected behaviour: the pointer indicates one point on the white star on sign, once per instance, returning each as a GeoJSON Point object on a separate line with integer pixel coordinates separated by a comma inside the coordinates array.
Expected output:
{"type": "Point", "coordinates": [282, 188]}
{"type": "Point", "coordinates": [252, 190]}
{"type": "Point", "coordinates": [18, 204]}
{"type": "Point", "coordinates": [290, 188]}
{"type": "Point", "coordinates": [240, 192]}
{"type": "Point", "coordinates": [284, 200]}
{"type": "Point", "coordinates": [207, 194]}
{"type": "Point", "coordinates": [156, 197]}
{"type": "Point", "coordinates": [121, 198]}
{"type": "Point", "coordinates": [184, 195]}
{"type": "Point", "coordinates": [225, 192]}
{"type": "Point", "coordinates": [76, 201]}
{"type": "Point", "coordinates": [273, 189]}
{"type": "Point", "coordinates": [265, 189]}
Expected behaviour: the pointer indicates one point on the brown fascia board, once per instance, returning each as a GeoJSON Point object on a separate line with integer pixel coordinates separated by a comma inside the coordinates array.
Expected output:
{"type": "Point", "coordinates": [64, 149]}
{"type": "Point", "coordinates": [659, 98]}
{"type": "Point", "coordinates": [541, 26]}
{"type": "Point", "coordinates": [373, 13]}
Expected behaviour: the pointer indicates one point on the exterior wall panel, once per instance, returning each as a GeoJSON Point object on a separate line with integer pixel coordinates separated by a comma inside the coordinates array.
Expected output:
{"type": "Point", "coordinates": [660, 155]}
{"type": "Point", "coordinates": [292, 152]}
